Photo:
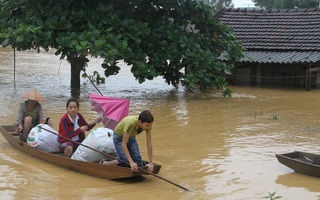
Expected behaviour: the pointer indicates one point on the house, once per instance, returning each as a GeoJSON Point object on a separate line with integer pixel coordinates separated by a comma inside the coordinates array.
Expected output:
{"type": "Point", "coordinates": [282, 46]}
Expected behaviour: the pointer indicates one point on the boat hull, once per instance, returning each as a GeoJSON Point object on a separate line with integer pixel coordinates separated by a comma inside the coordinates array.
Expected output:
{"type": "Point", "coordinates": [89, 168]}
{"type": "Point", "coordinates": [301, 162]}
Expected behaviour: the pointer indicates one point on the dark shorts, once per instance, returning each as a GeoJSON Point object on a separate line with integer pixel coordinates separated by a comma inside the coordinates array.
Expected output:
{"type": "Point", "coordinates": [74, 146]}
{"type": "Point", "coordinates": [64, 145]}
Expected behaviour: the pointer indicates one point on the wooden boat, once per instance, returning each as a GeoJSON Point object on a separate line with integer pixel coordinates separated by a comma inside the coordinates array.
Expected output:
{"type": "Point", "coordinates": [89, 168]}
{"type": "Point", "coordinates": [301, 162]}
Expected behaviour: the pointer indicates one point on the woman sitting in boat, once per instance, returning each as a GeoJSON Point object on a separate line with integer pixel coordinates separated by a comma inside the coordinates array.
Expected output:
{"type": "Point", "coordinates": [72, 127]}
{"type": "Point", "coordinates": [30, 113]}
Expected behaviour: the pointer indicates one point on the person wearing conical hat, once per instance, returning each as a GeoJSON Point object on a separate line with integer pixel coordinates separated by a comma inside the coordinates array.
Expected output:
{"type": "Point", "coordinates": [30, 113]}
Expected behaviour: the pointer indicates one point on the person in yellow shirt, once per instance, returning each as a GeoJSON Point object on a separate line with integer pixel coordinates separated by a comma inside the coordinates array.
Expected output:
{"type": "Point", "coordinates": [124, 139]}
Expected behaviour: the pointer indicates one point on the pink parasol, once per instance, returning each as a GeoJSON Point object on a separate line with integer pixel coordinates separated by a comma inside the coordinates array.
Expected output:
{"type": "Point", "coordinates": [111, 110]}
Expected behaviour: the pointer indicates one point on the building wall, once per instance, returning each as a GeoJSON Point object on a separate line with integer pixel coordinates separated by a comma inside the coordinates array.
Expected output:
{"type": "Point", "coordinates": [272, 75]}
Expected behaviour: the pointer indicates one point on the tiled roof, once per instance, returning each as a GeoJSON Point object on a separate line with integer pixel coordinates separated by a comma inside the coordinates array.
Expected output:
{"type": "Point", "coordinates": [275, 30]}
{"type": "Point", "coordinates": [285, 57]}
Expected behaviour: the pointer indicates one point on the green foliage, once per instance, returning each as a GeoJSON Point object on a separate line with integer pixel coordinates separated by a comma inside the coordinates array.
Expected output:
{"type": "Point", "coordinates": [227, 92]}
{"type": "Point", "coordinates": [272, 196]}
{"type": "Point", "coordinates": [275, 117]}
{"type": "Point", "coordinates": [177, 39]}
{"type": "Point", "coordinates": [219, 4]}
{"type": "Point", "coordinates": [95, 77]}
{"type": "Point", "coordinates": [286, 4]}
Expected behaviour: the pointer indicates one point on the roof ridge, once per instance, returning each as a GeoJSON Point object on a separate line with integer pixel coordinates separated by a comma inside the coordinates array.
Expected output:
{"type": "Point", "coordinates": [272, 10]}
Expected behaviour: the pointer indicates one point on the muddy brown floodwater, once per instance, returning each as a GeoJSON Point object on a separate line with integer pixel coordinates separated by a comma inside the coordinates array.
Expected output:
{"type": "Point", "coordinates": [221, 148]}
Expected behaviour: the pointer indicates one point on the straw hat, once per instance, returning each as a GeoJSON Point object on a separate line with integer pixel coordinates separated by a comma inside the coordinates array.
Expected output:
{"type": "Point", "coordinates": [33, 94]}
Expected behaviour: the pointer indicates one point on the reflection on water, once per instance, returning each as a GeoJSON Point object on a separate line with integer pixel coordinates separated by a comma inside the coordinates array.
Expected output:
{"type": "Point", "coordinates": [296, 180]}
{"type": "Point", "coordinates": [222, 148]}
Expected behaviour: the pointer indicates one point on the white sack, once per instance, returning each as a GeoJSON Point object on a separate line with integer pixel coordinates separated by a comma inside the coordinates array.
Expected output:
{"type": "Point", "coordinates": [42, 139]}
{"type": "Point", "coordinates": [100, 139]}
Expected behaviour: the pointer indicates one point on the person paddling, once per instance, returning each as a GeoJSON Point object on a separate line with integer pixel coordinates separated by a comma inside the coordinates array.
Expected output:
{"type": "Point", "coordinates": [30, 114]}
{"type": "Point", "coordinates": [124, 139]}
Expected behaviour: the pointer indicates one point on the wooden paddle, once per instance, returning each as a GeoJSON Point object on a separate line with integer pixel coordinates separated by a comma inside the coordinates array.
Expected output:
{"type": "Point", "coordinates": [110, 156]}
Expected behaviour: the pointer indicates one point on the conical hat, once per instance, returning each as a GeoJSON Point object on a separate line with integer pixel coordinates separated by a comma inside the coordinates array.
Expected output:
{"type": "Point", "coordinates": [33, 94]}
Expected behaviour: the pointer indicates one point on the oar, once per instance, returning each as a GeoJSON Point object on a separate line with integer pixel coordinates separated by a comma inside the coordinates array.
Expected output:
{"type": "Point", "coordinates": [141, 169]}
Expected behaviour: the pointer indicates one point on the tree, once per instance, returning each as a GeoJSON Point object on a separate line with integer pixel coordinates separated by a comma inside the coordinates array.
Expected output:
{"type": "Point", "coordinates": [155, 38]}
{"type": "Point", "coordinates": [286, 4]}
{"type": "Point", "coordinates": [219, 4]}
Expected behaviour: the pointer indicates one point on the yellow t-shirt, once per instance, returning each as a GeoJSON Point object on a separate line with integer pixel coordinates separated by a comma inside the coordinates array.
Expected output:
{"type": "Point", "coordinates": [128, 125]}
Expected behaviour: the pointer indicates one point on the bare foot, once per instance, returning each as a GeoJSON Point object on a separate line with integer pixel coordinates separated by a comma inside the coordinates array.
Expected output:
{"type": "Point", "coordinates": [112, 162]}
{"type": "Point", "coordinates": [68, 151]}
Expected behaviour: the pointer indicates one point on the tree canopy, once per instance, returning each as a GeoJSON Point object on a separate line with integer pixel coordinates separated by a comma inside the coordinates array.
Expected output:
{"type": "Point", "coordinates": [219, 4]}
{"type": "Point", "coordinates": [179, 40]}
{"type": "Point", "coordinates": [286, 4]}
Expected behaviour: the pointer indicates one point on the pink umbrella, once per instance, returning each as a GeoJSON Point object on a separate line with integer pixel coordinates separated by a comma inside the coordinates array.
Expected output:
{"type": "Point", "coordinates": [111, 110]}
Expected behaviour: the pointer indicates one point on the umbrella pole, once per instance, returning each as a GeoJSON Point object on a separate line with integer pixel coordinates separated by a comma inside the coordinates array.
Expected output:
{"type": "Point", "coordinates": [186, 189]}
{"type": "Point", "coordinates": [92, 83]}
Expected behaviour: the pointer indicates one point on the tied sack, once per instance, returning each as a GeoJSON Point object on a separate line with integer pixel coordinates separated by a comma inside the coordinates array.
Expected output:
{"type": "Point", "coordinates": [100, 139]}
{"type": "Point", "coordinates": [43, 139]}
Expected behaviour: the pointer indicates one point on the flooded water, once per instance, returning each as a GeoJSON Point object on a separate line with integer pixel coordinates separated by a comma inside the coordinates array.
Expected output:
{"type": "Point", "coordinates": [221, 148]}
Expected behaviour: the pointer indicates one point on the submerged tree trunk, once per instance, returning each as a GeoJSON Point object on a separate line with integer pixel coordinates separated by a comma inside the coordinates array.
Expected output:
{"type": "Point", "coordinates": [77, 64]}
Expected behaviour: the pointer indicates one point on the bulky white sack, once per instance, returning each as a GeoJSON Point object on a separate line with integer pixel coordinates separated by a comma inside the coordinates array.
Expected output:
{"type": "Point", "coordinates": [99, 139]}
{"type": "Point", "coordinates": [42, 139]}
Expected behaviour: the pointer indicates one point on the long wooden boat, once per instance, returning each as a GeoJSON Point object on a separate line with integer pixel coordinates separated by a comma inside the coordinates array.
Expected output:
{"type": "Point", "coordinates": [301, 162]}
{"type": "Point", "coordinates": [89, 168]}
